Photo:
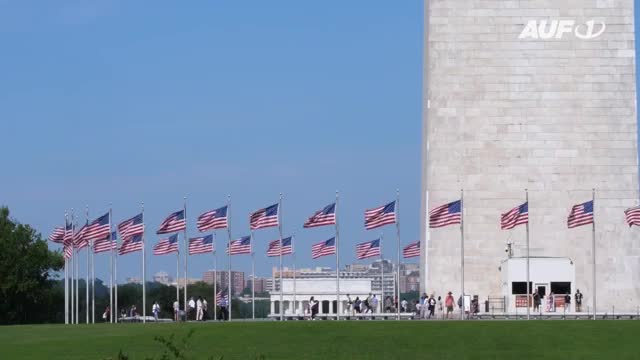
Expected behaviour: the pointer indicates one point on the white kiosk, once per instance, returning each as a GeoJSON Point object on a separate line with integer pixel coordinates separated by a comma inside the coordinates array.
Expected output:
{"type": "Point", "coordinates": [546, 274]}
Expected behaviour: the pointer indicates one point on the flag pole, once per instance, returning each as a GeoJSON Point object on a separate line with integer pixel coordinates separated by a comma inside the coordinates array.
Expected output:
{"type": "Point", "coordinates": [229, 256]}
{"type": "Point", "coordinates": [93, 281]}
{"type": "Point", "coordinates": [74, 274]}
{"type": "Point", "coordinates": [215, 278]}
{"type": "Point", "coordinates": [186, 256]}
{"type": "Point", "coordinates": [337, 260]}
{"type": "Point", "coordinates": [280, 232]}
{"type": "Point", "coordinates": [144, 277]}
{"type": "Point", "coordinates": [593, 249]}
{"type": "Point", "coordinates": [462, 252]}
{"type": "Point", "coordinates": [293, 255]}
{"type": "Point", "coordinates": [177, 316]}
{"type": "Point", "coordinates": [66, 273]}
{"type": "Point", "coordinates": [528, 259]}
{"type": "Point", "coordinates": [382, 275]}
{"type": "Point", "coordinates": [115, 278]}
{"type": "Point", "coordinates": [86, 283]}
{"type": "Point", "coordinates": [398, 249]}
{"type": "Point", "coordinates": [111, 309]}
{"type": "Point", "coordinates": [253, 277]}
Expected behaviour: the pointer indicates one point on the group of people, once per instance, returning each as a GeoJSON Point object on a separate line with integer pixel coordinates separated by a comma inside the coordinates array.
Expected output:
{"type": "Point", "coordinates": [550, 303]}
{"type": "Point", "coordinates": [198, 310]}
{"type": "Point", "coordinates": [430, 307]}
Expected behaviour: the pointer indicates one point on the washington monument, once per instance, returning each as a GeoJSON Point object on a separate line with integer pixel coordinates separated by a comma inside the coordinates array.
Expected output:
{"type": "Point", "coordinates": [537, 95]}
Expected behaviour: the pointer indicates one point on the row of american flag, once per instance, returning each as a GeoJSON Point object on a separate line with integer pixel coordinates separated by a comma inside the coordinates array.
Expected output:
{"type": "Point", "coordinates": [131, 232]}
{"type": "Point", "coordinates": [580, 214]}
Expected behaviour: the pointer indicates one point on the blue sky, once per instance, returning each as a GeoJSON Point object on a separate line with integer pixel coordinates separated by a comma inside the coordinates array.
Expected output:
{"type": "Point", "coordinates": [122, 102]}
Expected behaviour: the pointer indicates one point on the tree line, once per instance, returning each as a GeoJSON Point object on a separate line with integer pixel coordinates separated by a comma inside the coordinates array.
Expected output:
{"type": "Point", "coordinates": [32, 291]}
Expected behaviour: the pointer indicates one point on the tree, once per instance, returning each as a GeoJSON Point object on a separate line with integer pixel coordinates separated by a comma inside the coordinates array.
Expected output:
{"type": "Point", "coordinates": [26, 274]}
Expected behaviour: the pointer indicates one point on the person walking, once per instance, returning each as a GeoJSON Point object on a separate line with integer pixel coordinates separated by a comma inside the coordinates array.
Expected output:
{"type": "Point", "coordinates": [155, 309]}
{"type": "Point", "coordinates": [388, 304]}
{"type": "Point", "coordinates": [356, 305]}
{"type": "Point", "coordinates": [578, 298]}
{"type": "Point", "coordinates": [199, 312]}
{"type": "Point", "coordinates": [314, 307]}
{"type": "Point", "coordinates": [550, 303]}
{"type": "Point", "coordinates": [191, 309]}
{"type": "Point", "coordinates": [374, 304]}
{"type": "Point", "coordinates": [176, 311]}
{"type": "Point", "coordinates": [403, 306]}
{"type": "Point", "coordinates": [567, 302]}
{"type": "Point", "coordinates": [350, 305]}
{"type": "Point", "coordinates": [224, 314]}
{"type": "Point", "coordinates": [106, 314]}
{"type": "Point", "coordinates": [448, 303]}
{"type": "Point", "coordinates": [205, 308]}
{"type": "Point", "coordinates": [423, 305]}
{"type": "Point", "coordinates": [536, 300]}
{"type": "Point", "coordinates": [440, 309]}
{"type": "Point", "coordinates": [432, 305]}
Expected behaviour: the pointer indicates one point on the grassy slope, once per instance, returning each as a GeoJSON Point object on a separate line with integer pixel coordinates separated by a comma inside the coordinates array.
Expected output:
{"type": "Point", "coordinates": [330, 340]}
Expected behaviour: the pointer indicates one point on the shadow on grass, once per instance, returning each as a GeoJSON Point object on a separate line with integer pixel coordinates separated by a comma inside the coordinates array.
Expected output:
{"type": "Point", "coordinates": [173, 349]}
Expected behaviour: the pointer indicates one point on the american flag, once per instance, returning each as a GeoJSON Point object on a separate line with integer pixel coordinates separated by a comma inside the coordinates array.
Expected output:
{"type": "Point", "coordinates": [201, 245]}
{"type": "Point", "coordinates": [411, 250]}
{"type": "Point", "coordinates": [99, 228]}
{"type": "Point", "coordinates": [323, 248]}
{"type": "Point", "coordinates": [68, 252]}
{"type": "Point", "coordinates": [447, 214]}
{"type": "Point", "coordinates": [80, 237]}
{"type": "Point", "coordinates": [68, 234]}
{"type": "Point", "coordinates": [102, 245]}
{"type": "Point", "coordinates": [241, 246]}
{"type": "Point", "coordinates": [130, 245]}
{"type": "Point", "coordinates": [274, 247]}
{"type": "Point", "coordinates": [131, 227]}
{"type": "Point", "coordinates": [519, 215]}
{"type": "Point", "coordinates": [213, 219]}
{"type": "Point", "coordinates": [57, 236]}
{"type": "Point", "coordinates": [380, 216]}
{"type": "Point", "coordinates": [173, 223]}
{"type": "Point", "coordinates": [221, 298]}
{"type": "Point", "coordinates": [166, 246]}
{"type": "Point", "coordinates": [326, 216]}
{"type": "Point", "coordinates": [368, 249]}
{"type": "Point", "coordinates": [581, 214]}
{"type": "Point", "coordinates": [632, 216]}
{"type": "Point", "coordinates": [264, 218]}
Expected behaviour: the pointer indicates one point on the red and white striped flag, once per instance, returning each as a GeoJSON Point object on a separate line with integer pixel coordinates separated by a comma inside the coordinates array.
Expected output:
{"type": "Point", "coordinates": [447, 214]}
{"type": "Point", "coordinates": [519, 215]}
{"type": "Point", "coordinates": [166, 246]}
{"type": "Point", "coordinates": [380, 216]}
{"type": "Point", "coordinates": [213, 219]}
{"type": "Point", "coordinates": [57, 236]}
{"type": "Point", "coordinates": [581, 214]}
{"type": "Point", "coordinates": [264, 218]}
{"type": "Point", "coordinates": [632, 216]}
{"type": "Point", "coordinates": [411, 250]}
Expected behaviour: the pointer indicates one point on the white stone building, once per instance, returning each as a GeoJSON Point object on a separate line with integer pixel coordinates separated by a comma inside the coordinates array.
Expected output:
{"type": "Point", "coordinates": [551, 109]}
{"type": "Point", "coordinates": [324, 291]}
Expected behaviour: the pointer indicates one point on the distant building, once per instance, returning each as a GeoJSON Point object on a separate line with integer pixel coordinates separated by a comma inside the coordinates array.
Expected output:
{"type": "Point", "coordinates": [162, 278]}
{"type": "Point", "coordinates": [180, 282]}
{"type": "Point", "coordinates": [372, 272]}
{"type": "Point", "coordinates": [134, 280]}
{"type": "Point", "coordinates": [237, 280]}
{"type": "Point", "coordinates": [410, 282]}
{"type": "Point", "coordinates": [261, 284]}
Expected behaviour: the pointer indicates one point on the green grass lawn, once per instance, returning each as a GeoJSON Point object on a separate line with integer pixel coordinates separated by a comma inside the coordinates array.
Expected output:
{"type": "Point", "coordinates": [333, 340]}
